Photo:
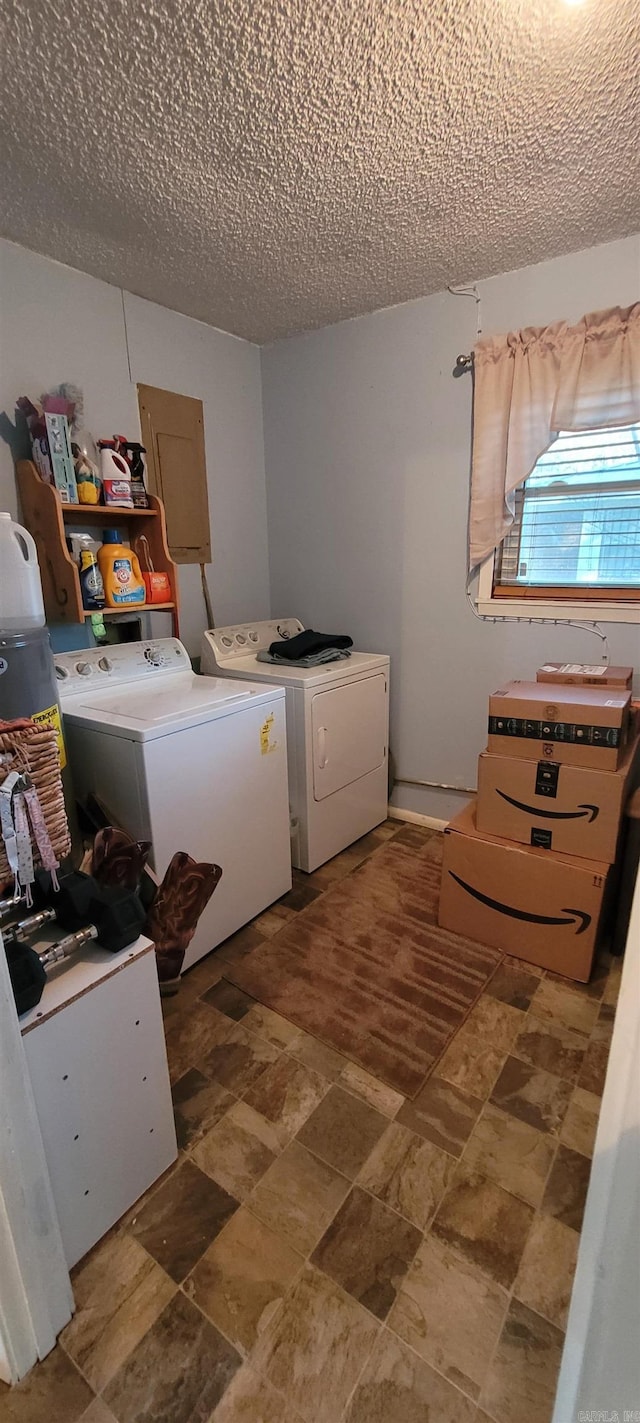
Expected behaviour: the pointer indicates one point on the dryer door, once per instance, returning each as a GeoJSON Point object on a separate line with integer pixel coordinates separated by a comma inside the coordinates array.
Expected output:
{"type": "Point", "coordinates": [349, 733]}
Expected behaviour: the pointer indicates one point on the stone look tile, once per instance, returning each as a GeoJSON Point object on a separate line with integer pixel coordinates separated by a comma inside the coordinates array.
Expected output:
{"type": "Point", "coordinates": [119, 1291]}
{"type": "Point", "coordinates": [317, 1055]}
{"type": "Point", "coordinates": [315, 1347]}
{"type": "Point", "coordinates": [367, 1250]}
{"type": "Point", "coordinates": [229, 1000]}
{"type": "Point", "coordinates": [550, 1046]}
{"type": "Point", "coordinates": [475, 1056]}
{"type": "Point", "coordinates": [243, 1278]}
{"type": "Point", "coordinates": [53, 1391]}
{"type": "Point", "coordinates": [298, 1197]}
{"type": "Point", "coordinates": [581, 1122]}
{"type": "Point", "coordinates": [343, 1131]}
{"type": "Point", "coordinates": [396, 1387]}
{"type": "Point", "coordinates": [594, 1068]}
{"type": "Point", "coordinates": [233, 1157]}
{"type": "Point", "coordinates": [273, 920]}
{"type": "Point", "coordinates": [545, 1277]}
{"type": "Point", "coordinates": [191, 1034]}
{"type": "Point", "coordinates": [485, 1224]}
{"type": "Point", "coordinates": [286, 1095]}
{"type": "Point", "coordinates": [371, 1090]}
{"type": "Point", "coordinates": [178, 1372]}
{"type": "Point", "coordinates": [251, 1399]}
{"type": "Point", "coordinates": [197, 1105]}
{"type": "Point", "coordinates": [239, 945]}
{"type": "Point", "coordinates": [522, 1380]}
{"type": "Point", "coordinates": [255, 1125]}
{"type": "Point", "coordinates": [534, 1096]}
{"type": "Point", "coordinates": [566, 1189]}
{"type": "Point", "coordinates": [408, 1173]}
{"type": "Point", "coordinates": [240, 1060]}
{"type": "Point", "coordinates": [564, 1005]}
{"type": "Point", "coordinates": [270, 1026]}
{"type": "Point", "coordinates": [181, 1219]}
{"type": "Point", "coordinates": [300, 896]}
{"type": "Point", "coordinates": [515, 986]}
{"type": "Point", "coordinates": [511, 1153]}
{"type": "Point", "coordinates": [198, 980]}
{"type": "Point", "coordinates": [98, 1412]}
{"type": "Point", "coordinates": [442, 1114]}
{"type": "Point", "coordinates": [450, 1315]}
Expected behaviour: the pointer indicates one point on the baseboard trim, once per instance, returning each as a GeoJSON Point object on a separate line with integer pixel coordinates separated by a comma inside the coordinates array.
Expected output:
{"type": "Point", "coordinates": [431, 822]}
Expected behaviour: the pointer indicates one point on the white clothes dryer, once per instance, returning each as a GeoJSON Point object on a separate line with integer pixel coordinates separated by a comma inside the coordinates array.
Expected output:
{"type": "Point", "coordinates": [191, 763]}
{"type": "Point", "coordinates": [337, 734]}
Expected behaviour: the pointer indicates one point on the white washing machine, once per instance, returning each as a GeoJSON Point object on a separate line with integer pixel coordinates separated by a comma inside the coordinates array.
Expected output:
{"type": "Point", "coordinates": [190, 763]}
{"type": "Point", "coordinates": [337, 734]}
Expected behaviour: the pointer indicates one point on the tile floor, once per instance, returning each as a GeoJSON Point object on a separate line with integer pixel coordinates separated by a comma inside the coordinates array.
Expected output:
{"type": "Point", "coordinates": [324, 1251]}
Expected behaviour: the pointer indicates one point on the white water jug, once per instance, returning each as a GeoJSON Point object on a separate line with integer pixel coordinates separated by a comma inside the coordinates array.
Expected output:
{"type": "Point", "coordinates": [21, 605]}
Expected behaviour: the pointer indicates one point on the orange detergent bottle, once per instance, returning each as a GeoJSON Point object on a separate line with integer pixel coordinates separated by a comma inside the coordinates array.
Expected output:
{"type": "Point", "coordinates": [123, 581]}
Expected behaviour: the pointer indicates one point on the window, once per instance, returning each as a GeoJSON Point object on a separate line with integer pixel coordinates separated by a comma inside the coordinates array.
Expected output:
{"type": "Point", "coordinates": [576, 535]}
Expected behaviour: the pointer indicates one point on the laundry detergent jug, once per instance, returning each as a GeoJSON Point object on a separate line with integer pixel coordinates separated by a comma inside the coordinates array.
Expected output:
{"type": "Point", "coordinates": [21, 605]}
{"type": "Point", "coordinates": [121, 576]}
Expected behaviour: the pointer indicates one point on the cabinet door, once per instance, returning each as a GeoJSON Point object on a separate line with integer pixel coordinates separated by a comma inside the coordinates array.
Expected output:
{"type": "Point", "coordinates": [349, 730]}
{"type": "Point", "coordinates": [173, 435]}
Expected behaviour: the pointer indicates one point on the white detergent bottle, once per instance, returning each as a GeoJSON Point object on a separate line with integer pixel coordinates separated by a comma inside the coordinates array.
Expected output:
{"type": "Point", "coordinates": [21, 604]}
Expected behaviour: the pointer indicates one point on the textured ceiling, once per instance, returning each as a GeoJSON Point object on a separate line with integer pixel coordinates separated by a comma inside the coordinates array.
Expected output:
{"type": "Point", "coordinates": [274, 165]}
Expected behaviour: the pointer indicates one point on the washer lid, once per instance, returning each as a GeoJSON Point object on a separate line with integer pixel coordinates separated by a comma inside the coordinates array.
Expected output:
{"type": "Point", "coordinates": [172, 704]}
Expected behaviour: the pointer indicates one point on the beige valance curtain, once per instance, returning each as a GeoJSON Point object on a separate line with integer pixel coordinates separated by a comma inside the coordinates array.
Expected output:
{"type": "Point", "coordinates": [531, 384]}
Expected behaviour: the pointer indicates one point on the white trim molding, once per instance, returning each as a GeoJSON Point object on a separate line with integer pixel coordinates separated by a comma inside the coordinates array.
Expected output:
{"type": "Point", "coordinates": [490, 607]}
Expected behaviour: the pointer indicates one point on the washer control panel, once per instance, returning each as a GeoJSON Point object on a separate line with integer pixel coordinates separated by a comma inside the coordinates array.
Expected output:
{"type": "Point", "coordinates": [95, 667]}
{"type": "Point", "coordinates": [248, 638]}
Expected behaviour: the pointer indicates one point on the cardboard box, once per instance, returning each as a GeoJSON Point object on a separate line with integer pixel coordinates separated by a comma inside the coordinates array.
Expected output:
{"type": "Point", "coordinates": [582, 726]}
{"type": "Point", "coordinates": [539, 906]}
{"type": "Point", "coordinates": [572, 809]}
{"type": "Point", "coordinates": [582, 674]}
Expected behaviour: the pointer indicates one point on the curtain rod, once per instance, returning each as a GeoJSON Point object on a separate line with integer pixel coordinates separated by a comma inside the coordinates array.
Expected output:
{"type": "Point", "coordinates": [462, 365]}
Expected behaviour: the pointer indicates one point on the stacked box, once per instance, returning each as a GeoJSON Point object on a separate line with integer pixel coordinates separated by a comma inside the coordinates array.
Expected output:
{"type": "Point", "coordinates": [527, 865]}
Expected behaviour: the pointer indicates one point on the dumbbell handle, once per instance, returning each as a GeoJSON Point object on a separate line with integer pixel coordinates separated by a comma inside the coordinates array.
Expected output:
{"type": "Point", "coordinates": [25, 927]}
{"type": "Point", "coordinates": [62, 950]}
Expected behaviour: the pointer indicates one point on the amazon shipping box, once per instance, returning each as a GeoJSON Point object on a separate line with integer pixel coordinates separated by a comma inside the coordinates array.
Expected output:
{"type": "Point", "coordinates": [585, 674]}
{"type": "Point", "coordinates": [581, 726]}
{"type": "Point", "coordinates": [538, 905]}
{"type": "Point", "coordinates": [573, 809]}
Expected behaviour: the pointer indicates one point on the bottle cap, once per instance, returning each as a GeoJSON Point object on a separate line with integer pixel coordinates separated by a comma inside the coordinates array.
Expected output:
{"type": "Point", "coordinates": [111, 536]}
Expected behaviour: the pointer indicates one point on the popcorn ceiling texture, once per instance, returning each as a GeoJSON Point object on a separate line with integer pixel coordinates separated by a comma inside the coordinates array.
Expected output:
{"type": "Point", "coordinates": [274, 165]}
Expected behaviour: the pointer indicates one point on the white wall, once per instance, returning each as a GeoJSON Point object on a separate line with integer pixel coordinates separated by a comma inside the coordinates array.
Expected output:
{"type": "Point", "coordinates": [367, 446]}
{"type": "Point", "coordinates": [59, 324]}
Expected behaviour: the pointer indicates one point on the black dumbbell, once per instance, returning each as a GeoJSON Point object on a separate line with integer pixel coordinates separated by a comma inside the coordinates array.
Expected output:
{"type": "Point", "coordinates": [71, 905]}
{"type": "Point", "coordinates": [27, 973]}
{"type": "Point", "coordinates": [118, 924]}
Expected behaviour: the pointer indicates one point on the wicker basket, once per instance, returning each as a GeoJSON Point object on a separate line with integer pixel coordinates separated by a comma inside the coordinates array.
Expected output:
{"type": "Point", "coordinates": [27, 747]}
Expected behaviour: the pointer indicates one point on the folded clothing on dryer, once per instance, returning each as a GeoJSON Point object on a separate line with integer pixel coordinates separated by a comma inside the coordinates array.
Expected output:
{"type": "Point", "coordinates": [308, 643]}
{"type": "Point", "coordinates": [315, 659]}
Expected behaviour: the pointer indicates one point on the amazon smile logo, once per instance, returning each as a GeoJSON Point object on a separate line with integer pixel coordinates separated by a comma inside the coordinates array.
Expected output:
{"type": "Point", "coordinates": [576, 918]}
{"type": "Point", "coordinates": [583, 812]}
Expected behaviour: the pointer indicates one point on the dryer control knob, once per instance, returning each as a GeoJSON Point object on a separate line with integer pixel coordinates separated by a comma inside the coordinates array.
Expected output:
{"type": "Point", "coordinates": [105, 665]}
{"type": "Point", "coordinates": [61, 673]}
{"type": "Point", "coordinates": [84, 668]}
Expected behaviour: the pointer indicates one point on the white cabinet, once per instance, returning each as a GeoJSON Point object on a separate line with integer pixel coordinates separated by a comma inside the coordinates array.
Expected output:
{"type": "Point", "coordinates": [96, 1055]}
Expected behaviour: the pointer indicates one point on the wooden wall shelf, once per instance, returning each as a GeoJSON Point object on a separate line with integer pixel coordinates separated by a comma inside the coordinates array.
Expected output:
{"type": "Point", "coordinates": [101, 513]}
{"type": "Point", "coordinates": [45, 517]}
